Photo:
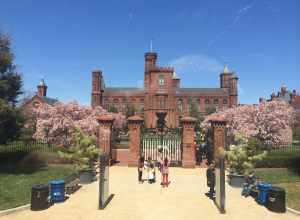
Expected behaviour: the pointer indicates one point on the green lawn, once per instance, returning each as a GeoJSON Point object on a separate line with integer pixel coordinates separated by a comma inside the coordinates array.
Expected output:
{"type": "Point", "coordinates": [286, 179]}
{"type": "Point", "coordinates": [15, 187]}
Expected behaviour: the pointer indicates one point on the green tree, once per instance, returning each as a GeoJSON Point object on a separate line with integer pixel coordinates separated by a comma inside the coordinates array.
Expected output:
{"type": "Point", "coordinates": [112, 108]}
{"type": "Point", "coordinates": [10, 80]}
{"type": "Point", "coordinates": [130, 110]}
{"type": "Point", "coordinates": [210, 109]}
{"type": "Point", "coordinates": [195, 112]}
{"type": "Point", "coordinates": [11, 117]}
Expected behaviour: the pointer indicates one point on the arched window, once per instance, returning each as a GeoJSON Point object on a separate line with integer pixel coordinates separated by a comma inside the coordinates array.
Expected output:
{"type": "Point", "coordinates": [161, 80]}
{"type": "Point", "coordinates": [180, 105]}
{"type": "Point", "coordinates": [162, 102]}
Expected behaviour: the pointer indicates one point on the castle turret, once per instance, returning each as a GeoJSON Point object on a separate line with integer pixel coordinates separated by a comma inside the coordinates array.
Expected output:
{"type": "Point", "coordinates": [225, 77]}
{"type": "Point", "coordinates": [97, 88]}
{"type": "Point", "coordinates": [273, 96]}
{"type": "Point", "coordinates": [233, 91]}
{"type": "Point", "coordinates": [283, 90]}
{"type": "Point", "coordinates": [293, 96]}
{"type": "Point", "coordinates": [176, 81]}
{"type": "Point", "coordinates": [150, 61]}
{"type": "Point", "coordinates": [42, 89]}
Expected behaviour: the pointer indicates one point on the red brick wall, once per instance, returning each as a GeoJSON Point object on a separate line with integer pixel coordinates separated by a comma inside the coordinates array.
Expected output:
{"type": "Point", "coordinates": [120, 156]}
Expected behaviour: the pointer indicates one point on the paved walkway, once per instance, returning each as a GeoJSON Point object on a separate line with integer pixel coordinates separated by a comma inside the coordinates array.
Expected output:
{"type": "Point", "coordinates": [184, 200]}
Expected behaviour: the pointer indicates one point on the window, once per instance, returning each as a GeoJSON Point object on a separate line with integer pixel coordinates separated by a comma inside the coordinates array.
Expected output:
{"type": "Point", "coordinates": [225, 101]}
{"type": "Point", "coordinates": [161, 80]}
{"type": "Point", "coordinates": [180, 105]}
{"type": "Point", "coordinates": [141, 108]}
{"type": "Point", "coordinates": [216, 101]}
{"type": "Point", "coordinates": [162, 102]}
{"type": "Point", "coordinates": [36, 104]}
{"type": "Point", "coordinates": [206, 101]}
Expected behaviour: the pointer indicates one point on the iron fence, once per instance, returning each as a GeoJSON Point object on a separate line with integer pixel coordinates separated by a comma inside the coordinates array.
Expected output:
{"type": "Point", "coordinates": [286, 147]}
{"type": "Point", "coordinates": [28, 146]}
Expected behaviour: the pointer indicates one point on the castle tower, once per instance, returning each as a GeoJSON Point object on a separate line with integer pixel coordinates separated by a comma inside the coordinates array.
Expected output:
{"type": "Point", "coordinates": [97, 90]}
{"type": "Point", "coordinates": [283, 90]}
{"type": "Point", "coordinates": [42, 89]}
{"type": "Point", "coordinates": [225, 77]}
{"type": "Point", "coordinates": [150, 61]}
{"type": "Point", "coordinates": [233, 91]}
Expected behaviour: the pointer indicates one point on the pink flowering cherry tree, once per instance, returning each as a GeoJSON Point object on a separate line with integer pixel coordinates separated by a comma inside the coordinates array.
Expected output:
{"type": "Point", "coordinates": [269, 121]}
{"type": "Point", "coordinates": [58, 122]}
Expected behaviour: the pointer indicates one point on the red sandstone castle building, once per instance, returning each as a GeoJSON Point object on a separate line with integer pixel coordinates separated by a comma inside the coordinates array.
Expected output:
{"type": "Point", "coordinates": [162, 92]}
{"type": "Point", "coordinates": [291, 97]}
{"type": "Point", "coordinates": [40, 98]}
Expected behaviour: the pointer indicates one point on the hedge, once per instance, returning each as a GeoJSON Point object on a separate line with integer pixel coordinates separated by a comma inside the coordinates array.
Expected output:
{"type": "Point", "coordinates": [280, 160]}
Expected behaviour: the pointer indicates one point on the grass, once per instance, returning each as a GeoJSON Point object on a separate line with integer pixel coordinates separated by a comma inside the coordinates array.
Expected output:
{"type": "Point", "coordinates": [15, 187]}
{"type": "Point", "coordinates": [285, 178]}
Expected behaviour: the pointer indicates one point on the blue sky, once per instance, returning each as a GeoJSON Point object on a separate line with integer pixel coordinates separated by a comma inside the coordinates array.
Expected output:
{"type": "Point", "coordinates": [64, 40]}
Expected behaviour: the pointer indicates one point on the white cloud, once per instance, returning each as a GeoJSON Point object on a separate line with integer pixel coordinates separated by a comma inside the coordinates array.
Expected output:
{"type": "Point", "coordinates": [196, 63]}
{"type": "Point", "coordinates": [239, 14]}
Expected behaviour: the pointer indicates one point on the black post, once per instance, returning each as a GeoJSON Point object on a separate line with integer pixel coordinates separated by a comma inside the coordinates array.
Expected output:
{"type": "Point", "coordinates": [104, 196]}
{"type": "Point", "coordinates": [220, 184]}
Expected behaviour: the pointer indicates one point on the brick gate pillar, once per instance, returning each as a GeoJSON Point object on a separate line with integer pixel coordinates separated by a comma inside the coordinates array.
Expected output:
{"type": "Point", "coordinates": [134, 123]}
{"type": "Point", "coordinates": [218, 125]}
{"type": "Point", "coordinates": [188, 146]}
{"type": "Point", "coordinates": [105, 130]}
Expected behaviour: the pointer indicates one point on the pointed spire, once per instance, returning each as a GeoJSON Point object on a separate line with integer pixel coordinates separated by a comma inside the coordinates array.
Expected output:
{"type": "Point", "coordinates": [175, 76]}
{"type": "Point", "coordinates": [226, 70]}
{"type": "Point", "coordinates": [42, 82]}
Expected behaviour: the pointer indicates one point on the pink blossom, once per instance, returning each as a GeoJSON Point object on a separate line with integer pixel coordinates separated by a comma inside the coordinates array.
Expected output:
{"type": "Point", "coordinates": [269, 121]}
{"type": "Point", "coordinates": [58, 122]}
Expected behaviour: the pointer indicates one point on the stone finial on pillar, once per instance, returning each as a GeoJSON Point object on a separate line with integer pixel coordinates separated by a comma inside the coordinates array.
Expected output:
{"type": "Point", "coordinates": [105, 130]}
{"type": "Point", "coordinates": [134, 123]}
{"type": "Point", "coordinates": [218, 125]}
{"type": "Point", "coordinates": [188, 146]}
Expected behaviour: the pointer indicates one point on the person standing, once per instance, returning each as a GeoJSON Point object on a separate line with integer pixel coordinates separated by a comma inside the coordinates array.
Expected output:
{"type": "Point", "coordinates": [211, 180]}
{"type": "Point", "coordinates": [165, 172]}
{"type": "Point", "coordinates": [140, 169]}
{"type": "Point", "coordinates": [147, 165]}
{"type": "Point", "coordinates": [160, 159]}
{"type": "Point", "coordinates": [151, 174]}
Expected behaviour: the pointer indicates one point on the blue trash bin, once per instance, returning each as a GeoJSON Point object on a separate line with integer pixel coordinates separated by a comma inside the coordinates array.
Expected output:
{"type": "Point", "coordinates": [263, 190]}
{"type": "Point", "coordinates": [57, 190]}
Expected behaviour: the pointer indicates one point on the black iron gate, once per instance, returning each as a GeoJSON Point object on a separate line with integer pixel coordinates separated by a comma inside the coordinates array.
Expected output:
{"type": "Point", "coordinates": [166, 144]}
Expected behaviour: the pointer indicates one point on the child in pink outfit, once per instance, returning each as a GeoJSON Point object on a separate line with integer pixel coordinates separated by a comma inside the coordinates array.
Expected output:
{"type": "Point", "coordinates": [165, 172]}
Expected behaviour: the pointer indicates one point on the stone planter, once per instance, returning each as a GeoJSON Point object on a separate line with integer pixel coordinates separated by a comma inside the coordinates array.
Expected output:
{"type": "Point", "coordinates": [236, 180]}
{"type": "Point", "coordinates": [86, 176]}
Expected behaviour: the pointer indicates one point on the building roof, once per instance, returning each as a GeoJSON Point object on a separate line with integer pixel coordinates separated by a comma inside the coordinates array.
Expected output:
{"type": "Point", "coordinates": [125, 89]}
{"type": "Point", "coordinates": [49, 101]}
{"type": "Point", "coordinates": [202, 90]}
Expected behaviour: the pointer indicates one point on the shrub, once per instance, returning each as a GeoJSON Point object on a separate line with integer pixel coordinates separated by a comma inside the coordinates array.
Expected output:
{"type": "Point", "coordinates": [244, 155]}
{"type": "Point", "coordinates": [280, 160]}
{"type": "Point", "coordinates": [84, 153]}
